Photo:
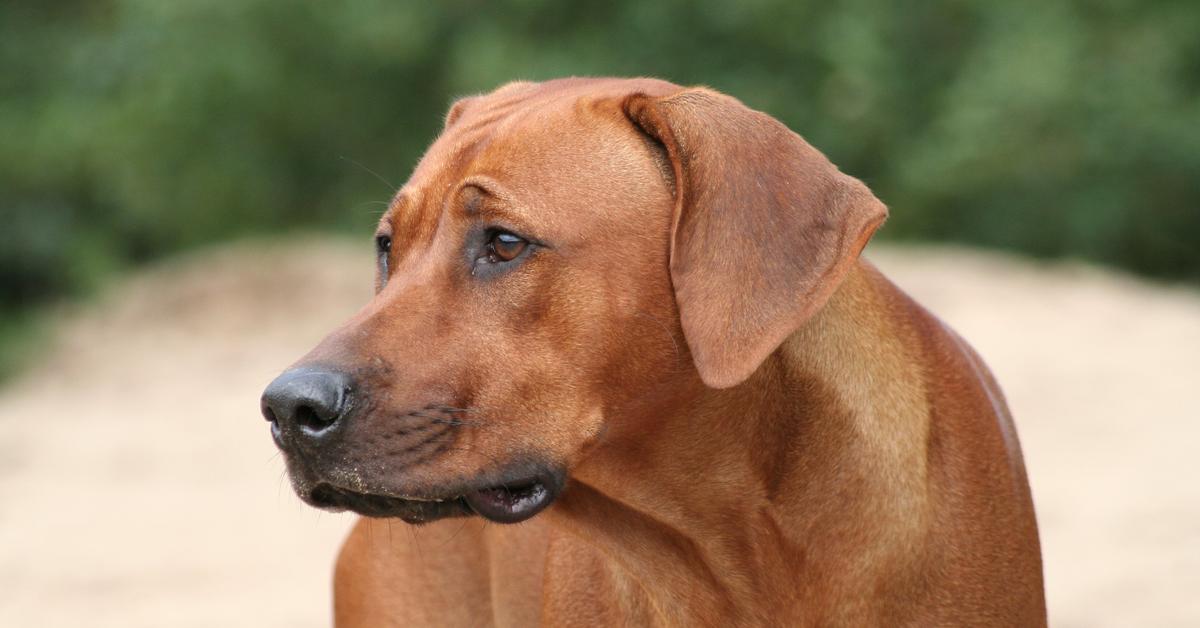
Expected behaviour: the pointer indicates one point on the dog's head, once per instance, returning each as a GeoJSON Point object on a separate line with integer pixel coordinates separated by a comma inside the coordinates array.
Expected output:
{"type": "Point", "coordinates": [566, 261]}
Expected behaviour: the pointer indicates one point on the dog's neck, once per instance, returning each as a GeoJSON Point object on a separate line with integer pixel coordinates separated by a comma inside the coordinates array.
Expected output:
{"type": "Point", "coordinates": [731, 495]}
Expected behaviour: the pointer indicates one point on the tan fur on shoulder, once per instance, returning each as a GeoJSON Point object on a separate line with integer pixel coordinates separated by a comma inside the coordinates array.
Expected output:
{"type": "Point", "coordinates": [755, 426]}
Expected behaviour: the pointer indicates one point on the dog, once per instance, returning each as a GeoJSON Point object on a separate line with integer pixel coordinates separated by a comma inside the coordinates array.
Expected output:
{"type": "Point", "coordinates": [634, 317]}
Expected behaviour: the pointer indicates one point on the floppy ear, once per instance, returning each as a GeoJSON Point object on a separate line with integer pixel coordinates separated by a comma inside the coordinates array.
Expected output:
{"type": "Point", "coordinates": [765, 227]}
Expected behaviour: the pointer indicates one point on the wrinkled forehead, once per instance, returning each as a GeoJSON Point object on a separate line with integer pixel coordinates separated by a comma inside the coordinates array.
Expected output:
{"type": "Point", "coordinates": [553, 152]}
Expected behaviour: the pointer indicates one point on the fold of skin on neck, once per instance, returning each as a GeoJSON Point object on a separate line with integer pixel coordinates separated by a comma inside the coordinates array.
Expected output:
{"type": "Point", "coordinates": [802, 490]}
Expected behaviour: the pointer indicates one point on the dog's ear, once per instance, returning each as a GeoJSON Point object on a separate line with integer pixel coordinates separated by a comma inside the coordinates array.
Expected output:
{"type": "Point", "coordinates": [765, 227]}
{"type": "Point", "coordinates": [456, 111]}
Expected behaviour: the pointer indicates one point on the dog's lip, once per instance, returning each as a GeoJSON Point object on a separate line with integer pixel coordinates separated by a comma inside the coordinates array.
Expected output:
{"type": "Point", "coordinates": [509, 502]}
{"type": "Point", "coordinates": [413, 510]}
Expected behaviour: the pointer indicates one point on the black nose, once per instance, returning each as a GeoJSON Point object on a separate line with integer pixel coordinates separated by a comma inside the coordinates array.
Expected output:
{"type": "Point", "coordinates": [306, 402]}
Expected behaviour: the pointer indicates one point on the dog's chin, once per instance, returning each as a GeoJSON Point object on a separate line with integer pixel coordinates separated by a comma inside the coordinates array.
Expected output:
{"type": "Point", "coordinates": [510, 500]}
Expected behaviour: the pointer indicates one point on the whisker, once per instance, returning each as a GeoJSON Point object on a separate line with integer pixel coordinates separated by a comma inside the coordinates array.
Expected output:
{"type": "Point", "coordinates": [377, 175]}
{"type": "Point", "coordinates": [443, 409]}
{"type": "Point", "coordinates": [456, 423]}
{"type": "Point", "coordinates": [450, 422]}
{"type": "Point", "coordinates": [451, 409]}
{"type": "Point", "coordinates": [666, 330]}
{"type": "Point", "coordinates": [456, 532]}
{"type": "Point", "coordinates": [374, 212]}
{"type": "Point", "coordinates": [279, 489]}
{"type": "Point", "coordinates": [416, 541]}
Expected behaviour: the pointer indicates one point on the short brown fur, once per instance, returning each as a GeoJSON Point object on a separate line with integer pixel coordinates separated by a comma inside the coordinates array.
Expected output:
{"type": "Point", "coordinates": [759, 428]}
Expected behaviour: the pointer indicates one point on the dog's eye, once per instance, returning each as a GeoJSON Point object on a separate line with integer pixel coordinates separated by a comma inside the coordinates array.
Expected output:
{"type": "Point", "coordinates": [383, 244]}
{"type": "Point", "coordinates": [505, 247]}
{"type": "Point", "coordinates": [500, 252]}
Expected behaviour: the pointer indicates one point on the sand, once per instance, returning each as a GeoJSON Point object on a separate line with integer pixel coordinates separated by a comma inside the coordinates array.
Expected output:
{"type": "Point", "coordinates": [139, 486]}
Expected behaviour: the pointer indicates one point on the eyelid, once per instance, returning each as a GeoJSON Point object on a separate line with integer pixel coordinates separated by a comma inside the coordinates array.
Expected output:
{"type": "Point", "coordinates": [383, 249]}
{"type": "Point", "coordinates": [383, 243]}
{"type": "Point", "coordinates": [495, 212]}
{"type": "Point", "coordinates": [498, 228]}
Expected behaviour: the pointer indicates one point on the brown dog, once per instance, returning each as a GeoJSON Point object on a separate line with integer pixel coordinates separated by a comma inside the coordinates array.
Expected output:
{"type": "Point", "coordinates": [656, 292]}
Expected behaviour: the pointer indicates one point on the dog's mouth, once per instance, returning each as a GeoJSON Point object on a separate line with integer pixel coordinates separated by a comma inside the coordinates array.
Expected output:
{"type": "Point", "coordinates": [510, 502]}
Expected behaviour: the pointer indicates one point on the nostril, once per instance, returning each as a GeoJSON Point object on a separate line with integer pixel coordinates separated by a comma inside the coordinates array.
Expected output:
{"type": "Point", "coordinates": [306, 402]}
{"type": "Point", "coordinates": [309, 419]}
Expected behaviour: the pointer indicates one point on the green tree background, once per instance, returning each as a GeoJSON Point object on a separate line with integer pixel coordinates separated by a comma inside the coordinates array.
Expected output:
{"type": "Point", "coordinates": [131, 129]}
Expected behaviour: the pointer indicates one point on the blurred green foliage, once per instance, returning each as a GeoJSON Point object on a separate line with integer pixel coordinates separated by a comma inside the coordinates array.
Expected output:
{"type": "Point", "coordinates": [132, 128]}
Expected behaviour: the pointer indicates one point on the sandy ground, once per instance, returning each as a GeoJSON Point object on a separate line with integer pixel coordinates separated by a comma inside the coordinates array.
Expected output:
{"type": "Point", "coordinates": [139, 487]}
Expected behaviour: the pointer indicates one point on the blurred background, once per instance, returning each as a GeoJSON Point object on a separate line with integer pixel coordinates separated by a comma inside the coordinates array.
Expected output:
{"type": "Point", "coordinates": [138, 137]}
